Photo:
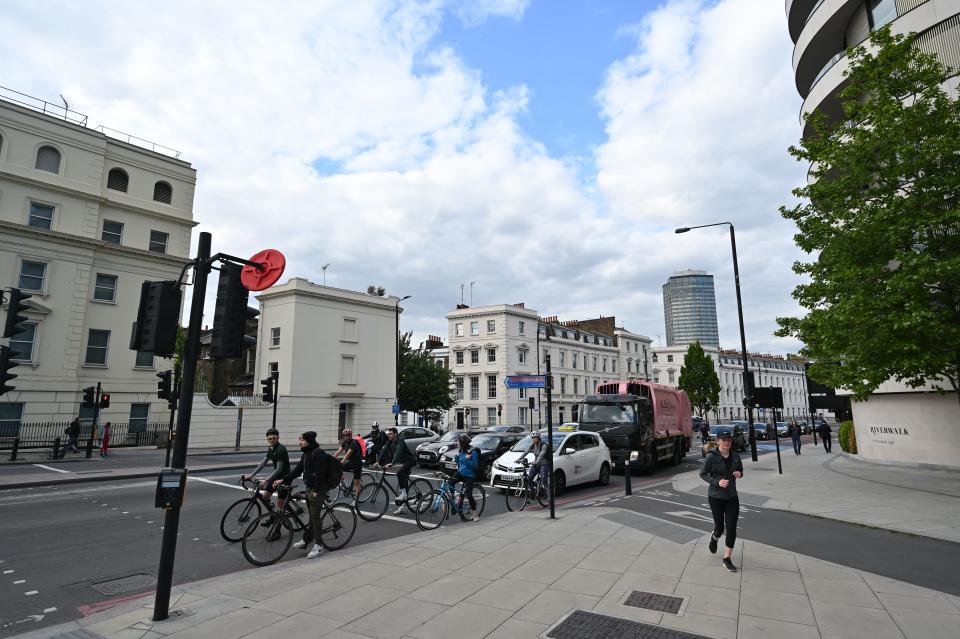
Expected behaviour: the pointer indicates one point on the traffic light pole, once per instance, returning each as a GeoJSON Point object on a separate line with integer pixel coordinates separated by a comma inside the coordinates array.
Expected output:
{"type": "Point", "coordinates": [168, 549]}
{"type": "Point", "coordinates": [552, 483]}
{"type": "Point", "coordinates": [172, 403]}
{"type": "Point", "coordinates": [93, 424]}
{"type": "Point", "coordinates": [276, 395]}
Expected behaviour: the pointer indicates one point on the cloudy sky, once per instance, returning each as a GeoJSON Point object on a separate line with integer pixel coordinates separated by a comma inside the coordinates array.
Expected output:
{"type": "Point", "coordinates": [543, 149]}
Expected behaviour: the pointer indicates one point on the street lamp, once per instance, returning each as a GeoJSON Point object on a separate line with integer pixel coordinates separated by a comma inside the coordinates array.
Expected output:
{"type": "Point", "coordinates": [743, 339]}
{"type": "Point", "coordinates": [396, 381]}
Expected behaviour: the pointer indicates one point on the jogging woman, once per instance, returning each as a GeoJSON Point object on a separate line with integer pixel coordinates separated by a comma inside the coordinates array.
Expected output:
{"type": "Point", "coordinates": [721, 469]}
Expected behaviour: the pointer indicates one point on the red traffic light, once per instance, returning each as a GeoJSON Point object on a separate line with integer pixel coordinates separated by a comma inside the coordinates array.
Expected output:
{"type": "Point", "coordinates": [105, 400]}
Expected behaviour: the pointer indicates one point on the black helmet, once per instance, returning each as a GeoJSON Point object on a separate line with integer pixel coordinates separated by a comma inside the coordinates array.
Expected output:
{"type": "Point", "coordinates": [463, 438]}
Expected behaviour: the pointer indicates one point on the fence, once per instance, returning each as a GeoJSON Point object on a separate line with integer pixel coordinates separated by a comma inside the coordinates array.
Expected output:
{"type": "Point", "coordinates": [41, 434]}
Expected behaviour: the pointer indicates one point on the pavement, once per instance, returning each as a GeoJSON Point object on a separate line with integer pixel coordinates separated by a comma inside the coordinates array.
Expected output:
{"type": "Point", "coordinates": [594, 571]}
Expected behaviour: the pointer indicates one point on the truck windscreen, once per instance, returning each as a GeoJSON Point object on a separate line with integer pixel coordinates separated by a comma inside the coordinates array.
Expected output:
{"type": "Point", "coordinates": [607, 414]}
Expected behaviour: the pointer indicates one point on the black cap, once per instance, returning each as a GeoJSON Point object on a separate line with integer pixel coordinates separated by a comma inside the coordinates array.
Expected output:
{"type": "Point", "coordinates": [310, 437]}
{"type": "Point", "coordinates": [724, 433]}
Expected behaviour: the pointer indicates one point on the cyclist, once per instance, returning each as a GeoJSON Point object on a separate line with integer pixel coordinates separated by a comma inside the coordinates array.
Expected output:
{"type": "Point", "coordinates": [351, 458]}
{"type": "Point", "coordinates": [396, 453]}
{"type": "Point", "coordinates": [468, 467]}
{"type": "Point", "coordinates": [539, 465]}
{"type": "Point", "coordinates": [315, 466]}
{"type": "Point", "coordinates": [277, 455]}
{"type": "Point", "coordinates": [378, 437]}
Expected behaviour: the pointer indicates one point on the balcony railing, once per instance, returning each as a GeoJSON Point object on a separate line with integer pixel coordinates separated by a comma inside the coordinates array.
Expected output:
{"type": "Point", "coordinates": [132, 139]}
{"type": "Point", "coordinates": [47, 108]}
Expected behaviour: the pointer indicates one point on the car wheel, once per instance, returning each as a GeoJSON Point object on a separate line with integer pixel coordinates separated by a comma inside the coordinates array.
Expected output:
{"type": "Point", "coordinates": [559, 483]}
{"type": "Point", "coordinates": [485, 472]}
{"type": "Point", "coordinates": [604, 474]}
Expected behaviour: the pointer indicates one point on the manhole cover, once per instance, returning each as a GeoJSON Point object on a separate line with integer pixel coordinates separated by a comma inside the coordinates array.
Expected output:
{"type": "Point", "coordinates": [654, 601]}
{"type": "Point", "coordinates": [124, 585]}
{"type": "Point", "coordinates": [588, 625]}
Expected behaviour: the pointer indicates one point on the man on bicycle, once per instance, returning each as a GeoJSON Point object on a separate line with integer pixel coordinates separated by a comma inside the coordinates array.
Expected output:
{"type": "Point", "coordinates": [351, 458]}
{"type": "Point", "coordinates": [314, 466]}
{"type": "Point", "coordinates": [277, 455]}
{"type": "Point", "coordinates": [539, 465]}
{"type": "Point", "coordinates": [378, 437]}
{"type": "Point", "coordinates": [468, 468]}
{"type": "Point", "coordinates": [396, 453]}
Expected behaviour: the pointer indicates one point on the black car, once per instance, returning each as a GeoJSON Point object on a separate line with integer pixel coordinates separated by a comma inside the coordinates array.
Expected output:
{"type": "Point", "coordinates": [739, 436]}
{"type": "Point", "coordinates": [490, 444]}
{"type": "Point", "coordinates": [428, 453]}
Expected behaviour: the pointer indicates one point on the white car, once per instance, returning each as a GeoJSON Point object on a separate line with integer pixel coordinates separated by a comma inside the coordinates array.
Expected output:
{"type": "Point", "coordinates": [579, 457]}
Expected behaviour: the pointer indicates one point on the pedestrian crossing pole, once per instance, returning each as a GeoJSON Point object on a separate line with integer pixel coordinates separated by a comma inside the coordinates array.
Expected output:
{"type": "Point", "coordinates": [553, 489]}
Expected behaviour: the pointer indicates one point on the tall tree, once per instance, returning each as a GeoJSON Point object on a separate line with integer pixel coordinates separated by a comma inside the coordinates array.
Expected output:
{"type": "Point", "coordinates": [699, 379]}
{"type": "Point", "coordinates": [880, 219]}
{"type": "Point", "coordinates": [425, 386]}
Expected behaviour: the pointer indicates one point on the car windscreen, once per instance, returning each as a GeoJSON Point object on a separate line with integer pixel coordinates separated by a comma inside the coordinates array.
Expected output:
{"type": "Point", "coordinates": [449, 436]}
{"type": "Point", "coordinates": [716, 429]}
{"type": "Point", "coordinates": [607, 414]}
{"type": "Point", "coordinates": [524, 444]}
{"type": "Point", "coordinates": [485, 442]}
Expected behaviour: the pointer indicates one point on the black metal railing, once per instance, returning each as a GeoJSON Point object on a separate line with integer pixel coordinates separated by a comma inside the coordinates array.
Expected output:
{"type": "Point", "coordinates": [27, 435]}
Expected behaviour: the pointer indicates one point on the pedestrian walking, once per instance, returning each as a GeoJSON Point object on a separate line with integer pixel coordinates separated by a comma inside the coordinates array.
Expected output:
{"type": "Point", "coordinates": [721, 469]}
{"type": "Point", "coordinates": [105, 440]}
{"type": "Point", "coordinates": [795, 432]}
{"type": "Point", "coordinates": [704, 432]}
{"type": "Point", "coordinates": [826, 435]}
{"type": "Point", "coordinates": [73, 436]}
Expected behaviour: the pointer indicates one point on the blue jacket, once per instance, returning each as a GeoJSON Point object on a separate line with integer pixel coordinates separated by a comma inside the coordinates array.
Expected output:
{"type": "Point", "coordinates": [468, 463]}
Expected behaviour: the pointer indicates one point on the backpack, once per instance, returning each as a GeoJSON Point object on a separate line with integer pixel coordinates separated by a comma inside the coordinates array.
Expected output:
{"type": "Point", "coordinates": [333, 474]}
{"type": "Point", "coordinates": [363, 446]}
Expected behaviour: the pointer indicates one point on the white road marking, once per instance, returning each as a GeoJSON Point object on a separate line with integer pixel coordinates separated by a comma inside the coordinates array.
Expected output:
{"type": "Point", "coordinates": [393, 518]}
{"type": "Point", "coordinates": [31, 592]}
{"type": "Point", "coordinates": [690, 515]}
{"type": "Point", "coordinates": [218, 483]}
{"type": "Point", "coordinates": [7, 572]}
{"type": "Point", "coordinates": [49, 610]}
{"type": "Point", "coordinates": [56, 470]}
{"type": "Point", "coordinates": [20, 581]}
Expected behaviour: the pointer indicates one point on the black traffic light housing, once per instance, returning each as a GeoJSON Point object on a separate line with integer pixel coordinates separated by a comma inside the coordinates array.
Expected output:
{"type": "Point", "coordinates": [268, 395]}
{"type": "Point", "coordinates": [89, 401]}
{"type": "Point", "coordinates": [230, 314]}
{"type": "Point", "coordinates": [15, 306]}
{"type": "Point", "coordinates": [165, 385]}
{"type": "Point", "coordinates": [104, 400]}
{"type": "Point", "coordinates": [157, 318]}
{"type": "Point", "coordinates": [6, 363]}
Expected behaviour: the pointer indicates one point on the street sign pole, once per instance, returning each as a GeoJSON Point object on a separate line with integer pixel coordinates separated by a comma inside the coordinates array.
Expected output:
{"type": "Point", "coordinates": [93, 424]}
{"type": "Point", "coordinates": [553, 488]}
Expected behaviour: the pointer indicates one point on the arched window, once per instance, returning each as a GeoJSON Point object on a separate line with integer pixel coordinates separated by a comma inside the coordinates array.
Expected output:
{"type": "Point", "coordinates": [162, 192]}
{"type": "Point", "coordinates": [1, 143]}
{"type": "Point", "coordinates": [48, 159]}
{"type": "Point", "coordinates": [117, 179]}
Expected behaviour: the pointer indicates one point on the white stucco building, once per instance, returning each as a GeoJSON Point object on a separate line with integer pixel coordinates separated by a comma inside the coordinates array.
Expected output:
{"type": "Point", "coordinates": [769, 370]}
{"type": "Point", "coordinates": [334, 350]}
{"type": "Point", "coordinates": [85, 218]}
{"type": "Point", "coordinates": [489, 343]}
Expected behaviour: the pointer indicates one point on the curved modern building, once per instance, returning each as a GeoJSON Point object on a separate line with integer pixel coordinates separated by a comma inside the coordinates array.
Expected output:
{"type": "Point", "coordinates": [823, 31]}
{"type": "Point", "coordinates": [690, 309]}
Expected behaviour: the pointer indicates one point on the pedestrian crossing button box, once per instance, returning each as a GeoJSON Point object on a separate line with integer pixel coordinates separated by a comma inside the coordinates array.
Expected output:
{"type": "Point", "coordinates": [171, 485]}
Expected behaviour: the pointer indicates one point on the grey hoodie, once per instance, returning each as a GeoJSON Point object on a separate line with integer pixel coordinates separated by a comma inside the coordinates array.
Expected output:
{"type": "Point", "coordinates": [715, 468]}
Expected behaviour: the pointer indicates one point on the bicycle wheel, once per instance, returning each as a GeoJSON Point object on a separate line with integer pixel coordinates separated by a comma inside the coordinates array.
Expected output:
{"type": "Point", "coordinates": [543, 497]}
{"type": "Point", "coordinates": [368, 479]}
{"type": "Point", "coordinates": [237, 517]}
{"type": "Point", "coordinates": [417, 489]}
{"type": "Point", "coordinates": [516, 495]}
{"type": "Point", "coordinates": [373, 506]}
{"type": "Point", "coordinates": [267, 539]}
{"type": "Point", "coordinates": [432, 510]}
{"type": "Point", "coordinates": [337, 525]}
{"type": "Point", "coordinates": [479, 496]}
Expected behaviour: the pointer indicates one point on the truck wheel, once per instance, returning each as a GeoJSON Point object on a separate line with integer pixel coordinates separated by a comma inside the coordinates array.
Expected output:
{"type": "Point", "coordinates": [677, 453]}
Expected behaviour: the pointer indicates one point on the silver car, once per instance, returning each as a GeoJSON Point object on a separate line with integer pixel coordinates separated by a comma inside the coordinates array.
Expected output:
{"type": "Point", "coordinates": [413, 436]}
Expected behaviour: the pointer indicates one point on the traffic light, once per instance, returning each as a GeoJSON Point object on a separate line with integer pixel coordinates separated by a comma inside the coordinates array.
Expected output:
{"type": "Point", "coordinates": [105, 400]}
{"type": "Point", "coordinates": [88, 399]}
{"type": "Point", "coordinates": [6, 363]}
{"type": "Point", "coordinates": [165, 385]}
{"type": "Point", "coordinates": [499, 410]}
{"type": "Point", "coordinates": [15, 306]}
{"type": "Point", "coordinates": [532, 402]}
{"type": "Point", "coordinates": [157, 318]}
{"type": "Point", "coordinates": [267, 389]}
{"type": "Point", "coordinates": [230, 314]}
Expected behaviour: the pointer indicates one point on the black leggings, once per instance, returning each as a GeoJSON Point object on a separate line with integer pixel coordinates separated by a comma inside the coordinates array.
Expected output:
{"type": "Point", "coordinates": [467, 488]}
{"type": "Point", "coordinates": [725, 514]}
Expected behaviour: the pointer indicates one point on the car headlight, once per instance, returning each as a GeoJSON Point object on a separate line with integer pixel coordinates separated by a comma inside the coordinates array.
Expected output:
{"type": "Point", "coordinates": [444, 449]}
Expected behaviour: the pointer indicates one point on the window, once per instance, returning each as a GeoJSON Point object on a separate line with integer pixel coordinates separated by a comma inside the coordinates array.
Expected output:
{"type": "Point", "coordinates": [348, 370]}
{"type": "Point", "coordinates": [162, 192]}
{"type": "Point", "coordinates": [669, 358]}
{"type": "Point", "coordinates": [613, 364]}
{"type": "Point", "coordinates": [491, 416]}
{"type": "Point", "coordinates": [48, 159]}
{"type": "Point", "coordinates": [670, 375]}
{"type": "Point", "coordinates": [561, 415]}
{"type": "Point", "coordinates": [654, 358]}
{"type": "Point", "coordinates": [41, 216]}
{"type": "Point", "coordinates": [458, 330]}
{"type": "Point", "coordinates": [31, 275]}
{"type": "Point", "coordinates": [105, 289]}
{"type": "Point", "coordinates": [474, 388]}
{"type": "Point", "coordinates": [521, 328]}
{"type": "Point", "coordinates": [594, 363]}
{"type": "Point", "coordinates": [522, 393]}
{"type": "Point", "coordinates": [112, 232]}
{"type": "Point", "coordinates": [251, 361]}
{"type": "Point", "coordinates": [604, 365]}
{"type": "Point", "coordinates": [882, 12]}
{"type": "Point", "coordinates": [348, 330]}
{"type": "Point", "coordinates": [158, 241]}
{"type": "Point", "coordinates": [273, 367]}
{"type": "Point", "coordinates": [139, 414]}
{"type": "Point", "coordinates": [10, 415]}
{"type": "Point", "coordinates": [573, 360]}
{"type": "Point", "coordinates": [522, 416]}
{"type": "Point", "coordinates": [630, 366]}
{"type": "Point", "coordinates": [144, 359]}
{"type": "Point", "coordinates": [474, 328]}
{"type": "Point", "coordinates": [563, 385]}
{"type": "Point", "coordinates": [491, 355]}
{"type": "Point", "coordinates": [546, 354]}
{"type": "Point", "coordinates": [491, 386]}
{"type": "Point", "coordinates": [563, 359]}
{"type": "Point", "coordinates": [475, 418]}
{"type": "Point", "coordinates": [475, 356]}
{"type": "Point", "coordinates": [275, 337]}
{"type": "Point", "coordinates": [97, 343]}
{"type": "Point", "coordinates": [522, 356]}
{"type": "Point", "coordinates": [458, 382]}
{"type": "Point", "coordinates": [576, 385]}
{"type": "Point", "coordinates": [491, 326]}
{"type": "Point", "coordinates": [459, 357]}
{"type": "Point", "coordinates": [21, 344]}
{"type": "Point", "coordinates": [117, 180]}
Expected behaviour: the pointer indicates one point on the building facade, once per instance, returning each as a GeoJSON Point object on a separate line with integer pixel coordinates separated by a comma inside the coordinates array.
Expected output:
{"type": "Point", "coordinates": [489, 343]}
{"type": "Point", "coordinates": [85, 219]}
{"type": "Point", "coordinates": [690, 309]}
{"type": "Point", "coordinates": [769, 370]}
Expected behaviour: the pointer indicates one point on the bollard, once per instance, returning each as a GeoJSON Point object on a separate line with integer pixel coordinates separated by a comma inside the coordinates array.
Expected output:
{"type": "Point", "coordinates": [56, 448]}
{"type": "Point", "coordinates": [16, 445]}
{"type": "Point", "coordinates": [628, 486]}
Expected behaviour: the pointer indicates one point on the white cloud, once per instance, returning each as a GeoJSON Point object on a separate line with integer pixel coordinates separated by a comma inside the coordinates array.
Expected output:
{"type": "Point", "coordinates": [476, 12]}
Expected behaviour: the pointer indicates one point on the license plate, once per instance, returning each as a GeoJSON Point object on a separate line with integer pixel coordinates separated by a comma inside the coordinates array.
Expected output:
{"type": "Point", "coordinates": [424, 456]}
{"type": "Point", "coordinates": [452, 466]}
{"type": "Point", "coordinates": [507, 477]}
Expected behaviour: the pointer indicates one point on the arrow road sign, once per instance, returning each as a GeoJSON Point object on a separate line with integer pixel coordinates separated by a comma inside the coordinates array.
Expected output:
{"type": "Point", "coordinates": [525, 381]}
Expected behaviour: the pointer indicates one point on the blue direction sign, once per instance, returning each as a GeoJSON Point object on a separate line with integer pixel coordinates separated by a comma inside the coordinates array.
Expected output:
{"type": "Point", "coordinates": [396, 409]}
{"type": "Point", "coordinates": [525, 381]}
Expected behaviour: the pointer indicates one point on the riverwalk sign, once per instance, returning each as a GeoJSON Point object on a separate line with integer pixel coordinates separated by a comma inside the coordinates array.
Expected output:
{"type": "Point", "coordinates": [525, 381]}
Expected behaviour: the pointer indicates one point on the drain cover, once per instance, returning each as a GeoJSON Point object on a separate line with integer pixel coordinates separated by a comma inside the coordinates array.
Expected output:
{"type": "Point", "coordinates": [654, 601]}
{"type": "Point", "coordinates": [588, 625]}
{"type": "Point", "coordinates": [124, 585]}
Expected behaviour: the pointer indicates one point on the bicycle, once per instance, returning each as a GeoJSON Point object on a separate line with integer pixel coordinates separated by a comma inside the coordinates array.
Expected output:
{"type": "Point", "coordinates": [269, 537]}
{"type": "Point", "coordinates": [345, 487]}
{"type": "Point", "coordinates": [434, 507]}
{"type": "Point", "coordinates": [376, 496]}
{"type": "Point", "coordinates": [519, 493]}
{"type": "Point", "coordinates": [241, 512]}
